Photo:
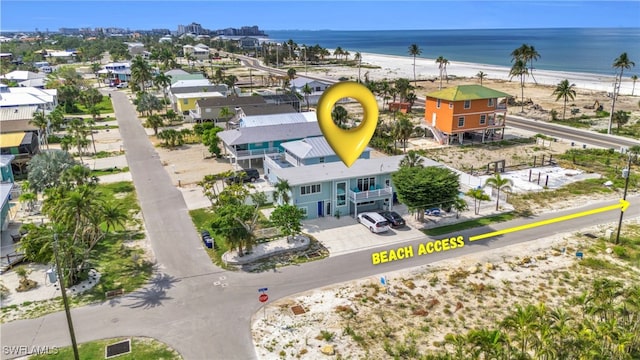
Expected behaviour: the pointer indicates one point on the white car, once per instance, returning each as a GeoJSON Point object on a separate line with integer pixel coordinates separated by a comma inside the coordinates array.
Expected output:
{"type": "Point", "coordinates": [374, 222]}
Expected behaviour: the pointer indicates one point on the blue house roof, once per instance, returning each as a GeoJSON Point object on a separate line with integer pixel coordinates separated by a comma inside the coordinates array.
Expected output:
{"type": "Point", "coordinates": [251, 135]}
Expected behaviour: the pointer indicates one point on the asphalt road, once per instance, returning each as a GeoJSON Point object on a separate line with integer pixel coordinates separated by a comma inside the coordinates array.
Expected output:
{"type": "Point", "coordinates": [572, 134]}
{"type": "Point", "coordinates": [202, 311]}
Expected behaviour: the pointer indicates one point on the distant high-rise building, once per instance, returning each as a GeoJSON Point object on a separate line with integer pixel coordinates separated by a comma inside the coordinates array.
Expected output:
{"type": "Point", "coordinates": [193, 28]}
{"type": "Point", "coordinates": [69, 31]}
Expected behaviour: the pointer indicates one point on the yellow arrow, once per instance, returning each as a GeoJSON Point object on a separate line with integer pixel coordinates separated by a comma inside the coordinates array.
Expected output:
{"type": "Point", "coordinates": [623, 205]}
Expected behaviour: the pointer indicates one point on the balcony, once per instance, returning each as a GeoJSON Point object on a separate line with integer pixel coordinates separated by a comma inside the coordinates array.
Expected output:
{"type": "Point", "coordinates": [254, 154]}
{"type": "Point", "coordinates": [376, 194]}
{"type": "Point", "coordinates": [501, 107]}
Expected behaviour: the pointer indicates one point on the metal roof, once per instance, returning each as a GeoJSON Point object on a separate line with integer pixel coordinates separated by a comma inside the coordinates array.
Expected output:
{"type": "Point", "coordinates": [268, 109]}
{"type": "Point", "coordinates": [250, 135]}
{"type": "Point", "coordinates": [190, 89]}
{"type": "Point", "coordinates": [191, 83]}
{"type": "Point", "coordinates": [5, 192]}
{"type": "Point", "coordinates": [18, 99]}
{"type": "Point", "coordinates": [313, 174]}
{"type": "Point", "coordinates": [467, 92]}
{"type": "Point", "coordinates": [17, 113]}
{"type": "Point", "coordinates": [231, 101]}
{"type": "Point", "coordinates": [201, 94]}
{"type": "Point", "coordinates": [311, 147]}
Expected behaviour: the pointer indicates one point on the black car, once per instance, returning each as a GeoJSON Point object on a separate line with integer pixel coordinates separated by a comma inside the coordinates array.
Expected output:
{"type": "Point", "coordinates": [393, 217]}
{"type": "Point", "coordinates": [246, 175]}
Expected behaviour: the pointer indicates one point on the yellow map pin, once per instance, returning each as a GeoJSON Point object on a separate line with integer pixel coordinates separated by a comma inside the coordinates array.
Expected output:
{"type": "Point", "coordinates": [348, 143]}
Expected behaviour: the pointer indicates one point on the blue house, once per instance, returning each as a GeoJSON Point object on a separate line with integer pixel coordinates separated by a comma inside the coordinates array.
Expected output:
{"type": "Point", "coordinates": [253, 143]}
{"type": "Point", "coordinates": [6, 187]}
{"type": "Point", "coordinates": [321, 185]}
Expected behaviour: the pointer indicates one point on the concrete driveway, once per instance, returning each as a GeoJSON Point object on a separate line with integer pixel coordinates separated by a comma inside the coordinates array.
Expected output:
{"type": "Point", "coordinates": [345, 235]}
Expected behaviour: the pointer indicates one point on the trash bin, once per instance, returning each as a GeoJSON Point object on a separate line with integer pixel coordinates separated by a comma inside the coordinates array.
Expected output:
{"type": "Point", "coordinates": [208, 242]}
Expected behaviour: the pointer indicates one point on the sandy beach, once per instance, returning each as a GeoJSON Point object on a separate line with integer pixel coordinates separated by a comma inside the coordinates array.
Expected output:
{"type": "Point", "coordinates": [402, 66]}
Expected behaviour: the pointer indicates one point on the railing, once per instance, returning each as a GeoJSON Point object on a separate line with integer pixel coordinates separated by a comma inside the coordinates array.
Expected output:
{"type": "Point", "coordinates": [501, 107]}
{"type": "Point", "coordinates": [255, 153]}
{"type": "Point", "coordinates": [371, 194]}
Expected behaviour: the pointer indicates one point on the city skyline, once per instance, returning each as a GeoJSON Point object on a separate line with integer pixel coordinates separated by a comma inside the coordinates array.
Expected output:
{"type": "Point", "coordinates": [302, 15]}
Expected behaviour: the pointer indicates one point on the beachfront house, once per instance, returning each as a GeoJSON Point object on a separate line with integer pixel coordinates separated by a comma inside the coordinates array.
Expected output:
{"type": "Point", "coordinates": [251, 144]}
{"type": "Point", "coordinates": [184, 94]}
{"type": "Point", "coordinates": [267, 114]}
{"type": "Point", "coordinates": [466, 112]}
{"type": "Point", "coordinates": [22, 145]}
{"type": "Point", "coordinates": [321, 185]}
{"type": "Point", "coordinates": [209, 109]}
{"type": "Point", "coordinates": [7, 189]}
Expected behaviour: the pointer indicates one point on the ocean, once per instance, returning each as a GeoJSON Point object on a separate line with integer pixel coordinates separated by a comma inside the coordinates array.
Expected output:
{"type": "Point", "coordinates": [587, 50]}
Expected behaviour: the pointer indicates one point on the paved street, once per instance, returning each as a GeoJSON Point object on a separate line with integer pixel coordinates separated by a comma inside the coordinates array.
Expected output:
{"type": "Point", "coordinates": [202, 311]}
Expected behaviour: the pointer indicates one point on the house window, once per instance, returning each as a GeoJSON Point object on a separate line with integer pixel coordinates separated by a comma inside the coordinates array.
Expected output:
{"type": "Point", "coordinates": [490, 103]}
{"type": "Point", "coordinates": [321, 159]}
{"type": "Point", "coordinates": [450, 105]}
{"type": "Point", "coordinates": [185, 101]}
{"type": "Point", "coordinates": [461, 121]}
{"type": "Point", "coordinates": [483, 119]}
{"type": "Point", "coordinates": [467, 104]}
{"type": "Point", "coordinates": [318, 88]}
{"type": "Point", "coordinates": [438, 104]}
{"type": "Point", "coordinates": [304, 211]}
{"type": "Point", "coordinates": [309, 189]}
{"type": "Point", "coordinates": [366, 184]}
{"type": "Point", "coordinates": [341, 193]}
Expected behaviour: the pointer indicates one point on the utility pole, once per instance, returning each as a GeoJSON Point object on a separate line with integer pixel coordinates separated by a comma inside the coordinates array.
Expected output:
{"type": "Point", "coordinates": [60, 272]}
{"type": "Point", "coordinates": [626, 173]}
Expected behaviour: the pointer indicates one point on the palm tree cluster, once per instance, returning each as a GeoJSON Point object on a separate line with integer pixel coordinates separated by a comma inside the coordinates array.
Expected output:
{"type": "Point", "coordinates": [442, 67]}
{"type": "Point", "coordinates": [602, 323]}
{"type": "Point", "coordinates": [79, 213]}
{"type": "Point", "coordinates": [520, 57]}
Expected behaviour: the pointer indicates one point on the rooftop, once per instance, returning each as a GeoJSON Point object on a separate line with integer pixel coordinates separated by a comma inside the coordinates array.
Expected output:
{"type": "Point", "coordinates": [467, 92]}
{"type": "Point", "coordinates": [249, 135]}
{"type": "Point", "coordinates": [6, 159]}
{"type": "Point", "coordinates": [339, 171]}
{"type": "Point", "coordinates": [311, 147]}
{"type": "Point", "coordinates": [256, 110]}
{"type": "Point", "coordinates": [231, 101]}
{"type": "Point", "coordinates": [201, 94]}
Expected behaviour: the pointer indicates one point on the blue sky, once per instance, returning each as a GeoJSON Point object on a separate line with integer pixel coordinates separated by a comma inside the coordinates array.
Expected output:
{"type": "Point", "coordinates": [317, 15]}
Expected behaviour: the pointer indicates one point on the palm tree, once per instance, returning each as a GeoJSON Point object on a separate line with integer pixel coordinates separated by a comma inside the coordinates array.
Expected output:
{"type": "Point", "coordinates": [519, 68]}
{"type": "Point", "coordinates": [531, 54]}
{"type": "Point", "coordinates": [338, 52]}
{"type": "Point", "coordinates": [499, 183]}
{"type": "Point", "coordinates": [40, 121]}
{"type": "Point", "coordinates": [358, 57]}
{"type": "Point", "coordinates": [634, 78]}
{"type": "Point", "coordinates": [291, 73]}
{"type": "Point", "coordinates": [162, 81]}
{"type": "Point", "coordinates": [230, 81]}
{"type": "Point", "coordinates": [154, 121]}
{"type": "Point", "coordinates": [621, 117]}
{"type": "Point", "coordinates": [225, 113]}
{"type": "Point", "coordinates": [412, 159]}
{"type": "Point", "coordinates": [442, 66]}
{"type": "Point", "coordinates": [414, 51]}
{"type": "Point", "coordinates": [459, 204]}
{"type": "Point", "coordinates": [621, 62]}
{"type": "Point", "coordinates": [281, 192]}
{"type": "Point", "coordinates": [481, 75]}
{"type": "Point", "coordinates": [565, 91]}
{"type": "Point", "coordinates": [307, 90]}
{"type": "Point", "coordinates": [339, 115]}
{"type": "Point", "coordinates": [402, 130]}
{"type": "Point", "coordinates": [478, 196]}
{"type": "Point", "coordinates": [114, 214]}
{"type": "Point", "coordinates": [141, 72]}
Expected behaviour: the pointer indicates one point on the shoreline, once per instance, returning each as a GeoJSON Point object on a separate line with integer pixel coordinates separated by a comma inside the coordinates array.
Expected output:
{"type": "Point", "coordinates": [402, 66]}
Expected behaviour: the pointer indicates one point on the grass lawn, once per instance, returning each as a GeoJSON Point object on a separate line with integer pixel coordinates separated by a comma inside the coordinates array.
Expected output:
{"type": "Point", "coordinates": [109, 171]}
{"type": "Point", "coordinates": [141, 349]}
{"type": "Point", "coordinates": [469, 224]}
{"type": "Point", "coordinates": [104, 106]}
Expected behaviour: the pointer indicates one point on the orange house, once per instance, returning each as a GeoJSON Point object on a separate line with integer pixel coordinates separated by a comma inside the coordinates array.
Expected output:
{"type": "Point", "coordinates": [466, 111]}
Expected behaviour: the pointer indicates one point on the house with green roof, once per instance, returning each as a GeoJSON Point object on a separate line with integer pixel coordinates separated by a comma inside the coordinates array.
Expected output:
{"type": "Point", "coordinates": [466, 112]}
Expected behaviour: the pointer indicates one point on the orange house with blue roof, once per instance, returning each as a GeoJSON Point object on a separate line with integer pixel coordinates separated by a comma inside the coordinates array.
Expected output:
{"type": "Point", "coordinates": [466, 111]}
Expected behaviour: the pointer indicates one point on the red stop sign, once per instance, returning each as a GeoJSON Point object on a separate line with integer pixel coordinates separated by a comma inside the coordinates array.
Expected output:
{"type": "Point", "coordinates": [263, 297]}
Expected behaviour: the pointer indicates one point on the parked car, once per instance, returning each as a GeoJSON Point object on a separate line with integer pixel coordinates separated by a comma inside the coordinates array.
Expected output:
{"type": "Point", "coordinates": [374, 222]}
{"type": "Point", "coordinates": [394, 219]}
{"type": "Point", "coordinates": [123, 84]}
{"type": "Point", "coordinates": [246, 175]}
{"type": "Point", "coordinates": [433, 212]}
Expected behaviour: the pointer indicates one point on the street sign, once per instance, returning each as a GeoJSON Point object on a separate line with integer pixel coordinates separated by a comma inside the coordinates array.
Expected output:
{"type": "Point", "coordinates": [263, 297]}
{"type": "Point", "coordinates": [262, 289]}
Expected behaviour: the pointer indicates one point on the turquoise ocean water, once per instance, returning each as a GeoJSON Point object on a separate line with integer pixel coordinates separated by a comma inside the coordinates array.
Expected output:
{"type": "Point", "coordinates": [572, 49]}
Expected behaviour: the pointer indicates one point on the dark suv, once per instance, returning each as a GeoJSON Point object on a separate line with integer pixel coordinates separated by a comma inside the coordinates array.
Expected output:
{"type": "Point", "coordinates": [246, 175]}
